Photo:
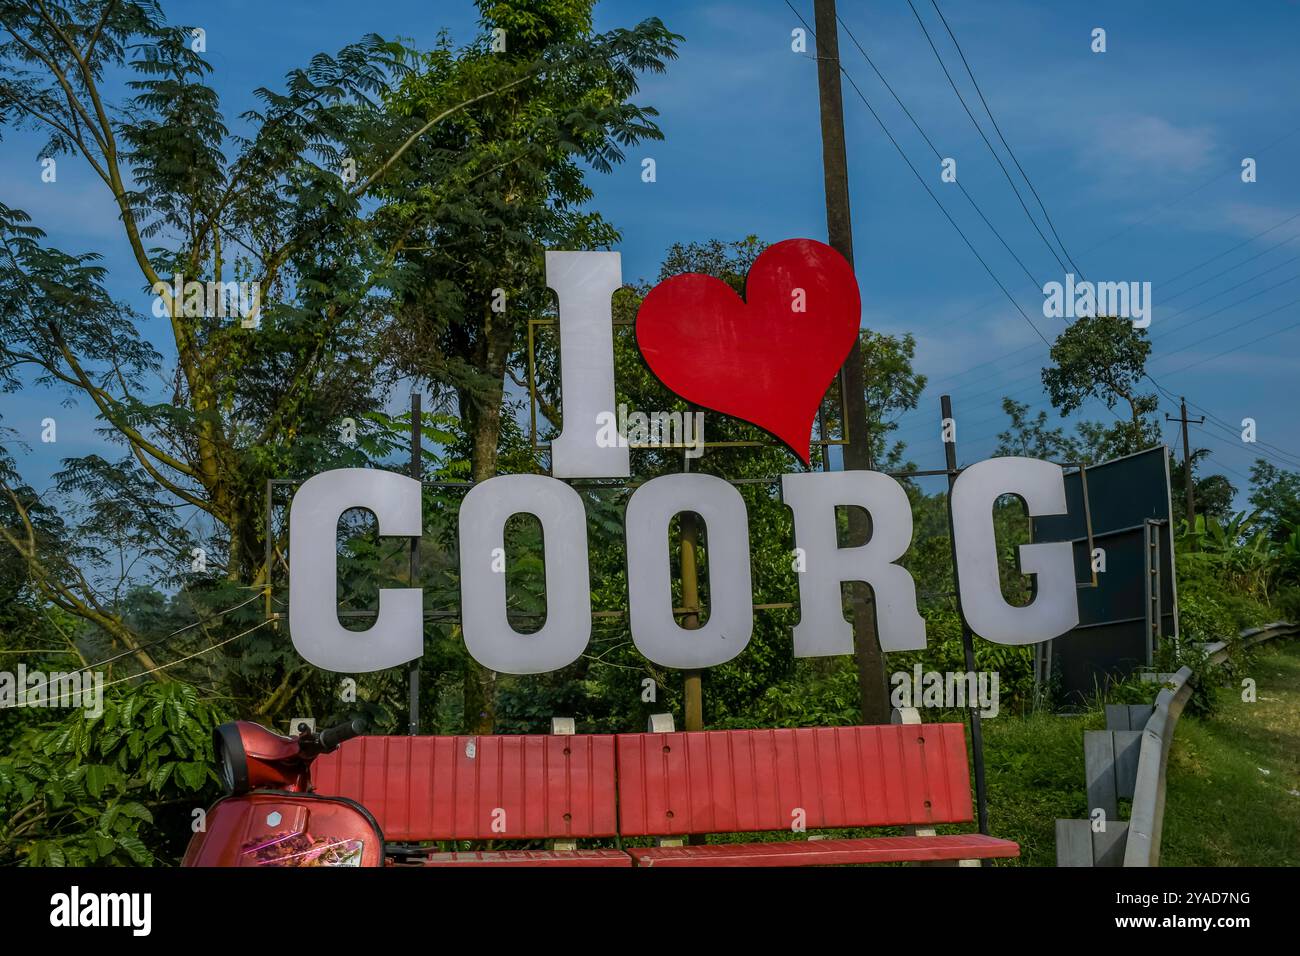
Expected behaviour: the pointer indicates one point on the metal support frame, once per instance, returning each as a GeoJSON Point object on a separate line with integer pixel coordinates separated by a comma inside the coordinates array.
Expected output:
{"type": "Point", "coordinates": [967, 635]}
{"type": "Point", "coordinates": [1043, 651]}
{"type": "Point", "coordinates": [1154, 612]}
{"type": "Point", "coordinates": [416, 473]}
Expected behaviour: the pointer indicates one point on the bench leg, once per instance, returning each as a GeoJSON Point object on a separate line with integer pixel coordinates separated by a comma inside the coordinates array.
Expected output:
{"type": "Point", "coordinates": [565, 726]}
{"type": "Point", "coordinates": [925, 832]}
{"type": "Point", "coordinates": [929, 832]}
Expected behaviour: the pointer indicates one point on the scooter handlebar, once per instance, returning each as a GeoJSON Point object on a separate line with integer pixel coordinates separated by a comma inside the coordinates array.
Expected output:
{"type": "Point", "coordinates": [331, 738]}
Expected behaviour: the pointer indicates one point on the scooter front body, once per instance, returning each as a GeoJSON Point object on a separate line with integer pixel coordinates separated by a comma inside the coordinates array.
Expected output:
{"type": "Point", "coordinates": [279, 828]}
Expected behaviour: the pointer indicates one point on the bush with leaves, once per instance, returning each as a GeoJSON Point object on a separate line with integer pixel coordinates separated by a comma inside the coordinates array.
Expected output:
{"type": "Point", "coordinates": [117, 789]}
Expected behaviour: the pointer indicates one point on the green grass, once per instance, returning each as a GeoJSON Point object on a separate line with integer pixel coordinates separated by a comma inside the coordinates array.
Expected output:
{"type": "Point", "coordinates": [1220, 808]}
{"type": "Point", "coordinates": [1034, 768]}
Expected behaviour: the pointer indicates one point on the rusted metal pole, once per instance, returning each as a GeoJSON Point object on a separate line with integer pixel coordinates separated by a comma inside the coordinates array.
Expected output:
{"type": "Point", "coordinates": [967, 638]}
{"type": "Point", "coordinates": [416, 472]}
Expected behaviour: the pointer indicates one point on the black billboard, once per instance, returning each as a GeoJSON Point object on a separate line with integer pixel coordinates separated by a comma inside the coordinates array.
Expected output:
{"type": "Point", "coordinates": [1125, 608]}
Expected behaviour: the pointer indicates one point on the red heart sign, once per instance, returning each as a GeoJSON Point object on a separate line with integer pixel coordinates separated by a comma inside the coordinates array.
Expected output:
{"type": "Point", "coordinates": [768, 358]}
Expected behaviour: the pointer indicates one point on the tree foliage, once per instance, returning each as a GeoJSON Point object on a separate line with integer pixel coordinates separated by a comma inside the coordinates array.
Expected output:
{"type": "Point", "coordinates": [1104, 358]}
{"type": "Point", "coordinates": [320, 200]}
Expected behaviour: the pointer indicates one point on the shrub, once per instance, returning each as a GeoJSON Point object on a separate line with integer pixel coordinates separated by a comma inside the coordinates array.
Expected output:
{"type": "Point", "coordinates": [88, 790]}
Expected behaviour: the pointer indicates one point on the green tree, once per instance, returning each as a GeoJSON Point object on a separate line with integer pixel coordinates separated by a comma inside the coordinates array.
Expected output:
{"type": "Point", "coordinates": [1104, 357]}
{"type": "Point", "coordinates": [1032, 438]}
{"type": "Point", "coordinates": [477, 250]}
{"type": "Point", "coordinates": [1214, 493]}
{"type": "Point", "coordinates": [248, 401]}
{"type": "Point", "coordinates": [1276, 496]}
{"type": "Point", "coordinates": [314, 203]}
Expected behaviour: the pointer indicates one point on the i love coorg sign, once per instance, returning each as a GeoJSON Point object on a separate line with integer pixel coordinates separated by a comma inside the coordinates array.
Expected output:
{"type": "Point", "coordinates": [767, 359]}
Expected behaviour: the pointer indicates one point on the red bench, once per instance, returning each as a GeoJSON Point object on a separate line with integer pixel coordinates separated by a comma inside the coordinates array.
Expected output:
{"type": "Point", "coordinates": [664, 785]}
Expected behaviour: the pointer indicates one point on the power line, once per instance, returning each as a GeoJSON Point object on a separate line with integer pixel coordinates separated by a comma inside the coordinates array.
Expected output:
{"type": "Point", "coordinates": [1277, 457]}
{"type": "Point", "coordinates": [1214, 419]}
{"type": "Point", "coordinates": [1165, 336]}
{"type": "Point", "coordinates": [938, 155]}
{"type": "Point", "coordinates": [188, 657]}
{"type": "Point", "coordinates": [1283, 460]}
{"type": "Point", "coordinates": [166, 637]}
{"type": "Point", "coordinates": [972, 368]}
{"type": "Point", "coordinates": [1011, 152]}
{"type": "Point", "coordinates": [1229, 428]}
{"type": "Point", "coordinates": [1191, 192]}
{"type": "Point", "coordinates": [1232, 268]}
{"type": "Point", "coordinates": [1188, 325]}
{"type": "Point", "coordinates": [1231, 328]}
{"type": "Point", "coordinates": [1219, 463]}
{"type": "Point", "coordinates": [1198, 341]}
{"type": "Point", "coordinates": [1213, 258]}
{"type": "Point", "coordinates": [980, 130]}
{"type": "Point", "coordinates": [924, 185]}
{"type": "Point", "coordinates": [1162, 282]}
{"type": "Point", "coordinates": [1006, 245]}
{"type": "Point", "coordinates": [1244, 242]}
{"type": "Point", "coordinates": [984, 436]}
{"type": "Point", "coordinates": [1234, 349]}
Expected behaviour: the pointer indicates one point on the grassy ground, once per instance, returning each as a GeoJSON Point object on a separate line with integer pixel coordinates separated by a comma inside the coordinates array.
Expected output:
{"type": "Point", "coordinates": [1034, 768]}
{"type": "Point", "coordinates": [1233, 795]}
{"type": "Point", "coordinates": [1220, 808]}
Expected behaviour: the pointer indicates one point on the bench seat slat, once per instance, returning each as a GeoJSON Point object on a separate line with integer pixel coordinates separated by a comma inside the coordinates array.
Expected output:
{"type": "Point", "coordinates": [582, 858]}
{"type": "Point", "coordinates": [967, 846]}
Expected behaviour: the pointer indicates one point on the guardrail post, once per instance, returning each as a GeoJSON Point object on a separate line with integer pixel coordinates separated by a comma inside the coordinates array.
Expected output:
{"type": "Point", "coordinates": [1130, 758]}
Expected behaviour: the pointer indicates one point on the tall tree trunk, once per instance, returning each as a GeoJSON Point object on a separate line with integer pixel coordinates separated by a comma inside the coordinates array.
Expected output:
{"type": "Point", "coordinates": [481, 411]}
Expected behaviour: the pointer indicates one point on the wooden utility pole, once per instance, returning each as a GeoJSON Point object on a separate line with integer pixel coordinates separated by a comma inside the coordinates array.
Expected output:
{"type": "Point", "coordinates": [1187, 461]}
{"type": "Point", "coordinates": [873, 688]}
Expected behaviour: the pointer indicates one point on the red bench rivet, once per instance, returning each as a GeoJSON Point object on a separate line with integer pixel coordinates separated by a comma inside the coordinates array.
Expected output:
{"type": "Point", "coordinates": [927, 804]}
{"type": "Point", "coordinates": [666, 749]}
{"type": "Point", "coordinates": [569, 816]}
{"type": "Point", "coordinates": [669, 814]}
{"type": "Point", "coordinates": [920, 740]}
{"type": "Point", "coordinates": [566, 751]}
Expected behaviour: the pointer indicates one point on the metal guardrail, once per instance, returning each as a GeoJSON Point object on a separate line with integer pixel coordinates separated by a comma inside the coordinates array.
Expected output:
{"type": "Point", "coordinates": [1147, 817]}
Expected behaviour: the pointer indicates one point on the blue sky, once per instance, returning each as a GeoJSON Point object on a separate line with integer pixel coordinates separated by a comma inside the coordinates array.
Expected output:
{"type": "Point", "coordinates": [1136, 153]}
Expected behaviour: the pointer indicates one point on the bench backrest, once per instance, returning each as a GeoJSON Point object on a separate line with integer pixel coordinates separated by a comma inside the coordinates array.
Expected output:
{"type": "Point", "coordinates": [478, 788]}
{"type": "Point", "coordinates": [742, 780]}
{"type": "Point", "coordinates": [720, 781]}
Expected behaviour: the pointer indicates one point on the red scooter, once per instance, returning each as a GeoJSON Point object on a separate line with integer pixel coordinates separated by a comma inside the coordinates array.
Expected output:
{"type": "Point", "coordinates": [270, 817]}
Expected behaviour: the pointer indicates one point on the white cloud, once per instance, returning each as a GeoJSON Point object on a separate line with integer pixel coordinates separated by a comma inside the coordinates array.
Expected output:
{"type": "Point", "coordinates": [1247, 219]}
{"type": "Point", "coordinates": [1145, 147]}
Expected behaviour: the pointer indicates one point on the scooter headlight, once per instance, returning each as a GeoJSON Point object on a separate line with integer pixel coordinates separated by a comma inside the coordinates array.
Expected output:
{"type": "Point", "coordinates": [232, 761]}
